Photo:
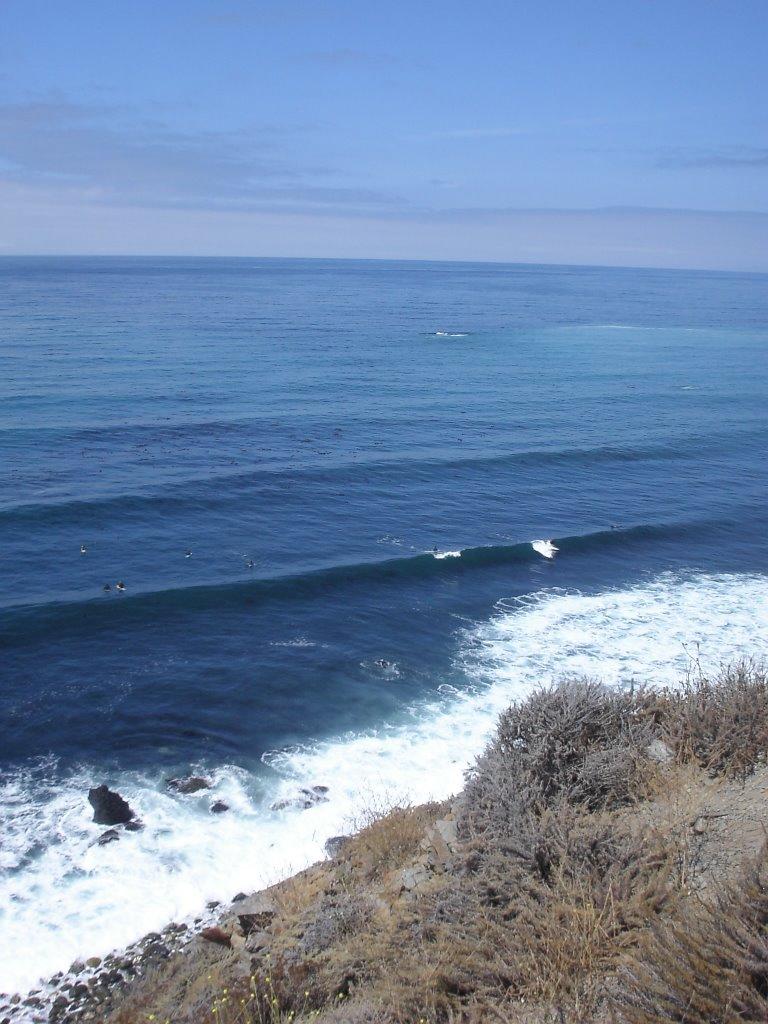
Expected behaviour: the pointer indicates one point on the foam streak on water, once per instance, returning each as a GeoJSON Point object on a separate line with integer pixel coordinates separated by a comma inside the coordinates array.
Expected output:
{"type": "Point", "coordinates": [65, 897]}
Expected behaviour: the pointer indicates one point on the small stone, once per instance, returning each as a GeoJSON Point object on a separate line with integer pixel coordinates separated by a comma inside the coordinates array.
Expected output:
{"type": "Point", "coordinates": [239, 896]}
{"type": "Point", "coordinates": [658, 750]}
{"type": "Point", "coordinates": [336, 844]}
{"type": "Point", "coordinates": [110, 836]}
{"type": "Point", "coordinates": [413, 877]}
{"type": "Point", "coordinates": [256, 941]}
{"type": "Point", "coordinates": [219, 807]}
{"type": "Point", "coordinates": [216, 935]}
{"type": "Point", "coordinates": [93, 961]}
{"type": "Point", "coordinates": [212, 904]}
{"type": "Point", "coordinates": [134, 826]}
{"type": "Point", "coordinates": [449, 830]}
{"type": "Point", "coordinates": [76, 967]}
{"type": "Point", "coordinates": [255, 912]}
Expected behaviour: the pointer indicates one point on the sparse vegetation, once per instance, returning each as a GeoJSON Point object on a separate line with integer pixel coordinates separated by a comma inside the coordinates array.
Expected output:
{"type": "Point", "coordinates": [574, 880]}
{"type": "Point", "coordinates": [706, 965]}
{"type": "Point", "coordinates": [720, 724]}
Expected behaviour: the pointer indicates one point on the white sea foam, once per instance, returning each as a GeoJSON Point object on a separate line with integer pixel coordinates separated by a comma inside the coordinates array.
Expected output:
{"type": "Point", "coordinates": [450, 334]}
{"type": "Point", "coordinates": [447, 554]}
{"type": "Point", "coordinates": [63, 897]}
{"type": "Point", "coordinates": [545, 548]}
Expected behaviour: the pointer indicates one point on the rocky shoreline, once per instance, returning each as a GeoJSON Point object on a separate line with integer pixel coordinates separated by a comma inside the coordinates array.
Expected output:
{"type": "Point", "coordinates": [90, 988]}
{"type": "Point", "coordinates": [93, 989]}
{"type": "Point", "coordinates": [87, 988]}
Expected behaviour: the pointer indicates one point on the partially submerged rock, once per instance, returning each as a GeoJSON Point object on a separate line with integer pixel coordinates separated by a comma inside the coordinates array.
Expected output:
{"type": "Point", "coordinates": [110, 836]}
{"type": "Point", "coordinates": [219, 807]}
{"type": "Point", "coordinates": [109, 808]}
{"type": "Point", "coordinates": [188, 784]}
{"type": "Point", "coordinates": [304, 799]}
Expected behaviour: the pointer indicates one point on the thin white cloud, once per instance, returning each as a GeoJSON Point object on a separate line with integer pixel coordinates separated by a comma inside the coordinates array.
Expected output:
{"type": "Point", "coordinates": [104, 154]}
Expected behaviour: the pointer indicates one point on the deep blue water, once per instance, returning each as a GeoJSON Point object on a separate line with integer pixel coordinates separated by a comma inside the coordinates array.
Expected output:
{"type": "Point", "coordinates": [308, 418]}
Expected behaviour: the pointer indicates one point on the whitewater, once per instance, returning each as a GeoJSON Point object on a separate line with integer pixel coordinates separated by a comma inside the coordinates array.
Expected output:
{"type": "Point", "coordinates": [72, 898]}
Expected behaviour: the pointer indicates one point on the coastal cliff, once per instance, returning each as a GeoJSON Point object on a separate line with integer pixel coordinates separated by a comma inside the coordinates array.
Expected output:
{"type": "Point", "coordinates": [605, 862]}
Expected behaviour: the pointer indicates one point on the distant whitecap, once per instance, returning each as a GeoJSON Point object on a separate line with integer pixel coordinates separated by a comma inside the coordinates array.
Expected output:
{"type": "Point", "coordinates": [545, 548]}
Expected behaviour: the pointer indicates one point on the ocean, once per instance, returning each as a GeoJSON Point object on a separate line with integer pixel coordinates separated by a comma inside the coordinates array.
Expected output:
{"type": "Point", "coordinates": [319, 483]}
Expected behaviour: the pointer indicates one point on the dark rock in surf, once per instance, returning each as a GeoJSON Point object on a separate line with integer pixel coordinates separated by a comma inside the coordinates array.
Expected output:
{"type": "Point", "coordinates": [134, 826]}
{"type": "Point", "coordinates": [110, 836]}
{"type": "Point", "coordinates": [219, 807]}
{"type": "Point", "coordinates": [188, 784]}
{"type": "Point", "coordinates": [305, 799]}
{"type": "Point", "coordinates": [109, 808]}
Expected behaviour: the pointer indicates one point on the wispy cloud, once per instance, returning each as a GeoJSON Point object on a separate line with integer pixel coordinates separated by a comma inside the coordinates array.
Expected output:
{"type": "Point", "coordinates": [724, 156]}
{"type": "Point", "coordinates": [106, 154]}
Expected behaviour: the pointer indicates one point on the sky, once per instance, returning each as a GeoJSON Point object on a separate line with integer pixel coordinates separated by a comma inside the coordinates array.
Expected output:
{"type": "Point", "coordinates": [609, 132]}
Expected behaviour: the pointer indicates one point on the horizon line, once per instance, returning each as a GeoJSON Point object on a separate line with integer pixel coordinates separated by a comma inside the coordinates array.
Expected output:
{"type": "Point", "coordinates": [372, 259]}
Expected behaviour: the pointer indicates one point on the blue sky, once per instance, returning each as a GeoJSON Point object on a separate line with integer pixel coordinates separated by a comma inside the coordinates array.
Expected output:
{"type": "Point", "coordinates": [621, 132]}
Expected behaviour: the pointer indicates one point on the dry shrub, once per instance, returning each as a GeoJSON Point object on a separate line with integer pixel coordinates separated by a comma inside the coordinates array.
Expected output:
{"type": "Point", "coordinates": [553, 925]}
{"type": "Point", "coordinates": [721, 724]}
{"type": "Point", "coordinates": [708, 964]}
{"type": "Point", "coordinates": [340, 914]}
{"type": "Point", "coordinates": [577, 741]}
{"type": "Point", "coordinates": [262, 999]}
{"type": "Point", "coordinates": [390, 837]}
{"type": "Point", "coordinates": [502, 935]}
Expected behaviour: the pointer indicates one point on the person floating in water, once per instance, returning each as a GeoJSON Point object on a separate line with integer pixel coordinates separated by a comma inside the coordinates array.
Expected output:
{"type": "Point", "coordinates": [187, 553]}
{"type": "Point", "coordinates": [120, 585]}
{"type": "Point", "coordinates": [249, 564]}
{"type": "Point", "coordinates": [83, 549]}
